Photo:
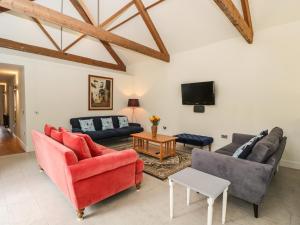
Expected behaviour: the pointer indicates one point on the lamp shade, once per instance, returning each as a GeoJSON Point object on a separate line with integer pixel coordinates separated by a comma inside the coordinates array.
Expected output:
{"type": "Point", "coordinates": [133, 102]}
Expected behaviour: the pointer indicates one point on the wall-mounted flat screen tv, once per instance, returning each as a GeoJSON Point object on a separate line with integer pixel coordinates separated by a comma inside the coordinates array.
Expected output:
{"type": "Point", "coordinates": [201, 93]}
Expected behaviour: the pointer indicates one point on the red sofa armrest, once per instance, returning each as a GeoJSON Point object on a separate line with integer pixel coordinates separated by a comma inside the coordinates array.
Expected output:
{"type": "Point", "coordinates": [100, 164]}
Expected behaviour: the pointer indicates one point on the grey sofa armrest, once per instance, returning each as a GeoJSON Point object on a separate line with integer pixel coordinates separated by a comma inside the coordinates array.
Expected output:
{"type": "Point", "coordinates": [249, 180]}
{"type": "Point", "coordinates": [241, 138]}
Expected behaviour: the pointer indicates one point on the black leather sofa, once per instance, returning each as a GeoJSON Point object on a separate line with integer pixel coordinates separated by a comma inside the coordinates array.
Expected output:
{"type": "Point", "coordinates": [100, 135]}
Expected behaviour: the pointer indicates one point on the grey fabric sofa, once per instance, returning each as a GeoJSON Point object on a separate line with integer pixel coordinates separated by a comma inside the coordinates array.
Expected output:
{"type": "Point", "coordinates": [249, 178]}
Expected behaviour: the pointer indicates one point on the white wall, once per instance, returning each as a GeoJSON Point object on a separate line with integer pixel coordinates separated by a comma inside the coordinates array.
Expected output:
{"type": "Point", "coordinates": [56, 90]}
{"type": "Point", "coordinates": [257, 87]}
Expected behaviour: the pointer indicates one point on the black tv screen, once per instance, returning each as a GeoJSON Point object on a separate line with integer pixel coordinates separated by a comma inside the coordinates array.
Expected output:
{"type": "Point", "coordinates": [201, 93]}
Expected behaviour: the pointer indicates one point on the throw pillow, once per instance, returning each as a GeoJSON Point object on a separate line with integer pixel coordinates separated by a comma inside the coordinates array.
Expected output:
{"type": "Point", "coordinates": [123, 121]}
{"type": "Point", "coordinates": [87, 125]}
{"type": "Point", "coordinates": [57, 135]}
{"type": "Point", "coordinates": [62, 129]}
{"type": "Point", "coordinates": [77, 144]}
{"type": "Point", "coordinates": [107, 123]}
{"type": "Point", "coordinates": [94, 150]}
{"type": "Point", "coordinates": [48, 128]}
{"type": "Point", "coordinates": [243, 151]}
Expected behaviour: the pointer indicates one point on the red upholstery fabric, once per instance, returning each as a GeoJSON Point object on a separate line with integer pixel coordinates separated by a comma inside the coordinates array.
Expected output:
{"type": "Point", "coordinates": [48, 128]}
{"type": "Point", "coordinates": [77, 144]}
{"type": "Point", "coordinates": [62, 129]}
{"type": "Point", "coordinates": [96, 188]}
{"type": "Point", "coordinates": [91, 180]}
{"type": "Point", "coordinates": [94, 150]}
{"type": "Point", "coordinates": [90, 167]}
{"type": "Point", "coordinates": [57, 136]}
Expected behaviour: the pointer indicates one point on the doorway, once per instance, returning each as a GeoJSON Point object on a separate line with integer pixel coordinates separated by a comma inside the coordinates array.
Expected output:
{"type": "Point", "coordinates": [12, 110]}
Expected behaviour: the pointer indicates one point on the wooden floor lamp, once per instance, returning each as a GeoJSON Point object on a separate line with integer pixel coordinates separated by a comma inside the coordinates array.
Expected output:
{"type": "Point", "coordinates": [133, 103]}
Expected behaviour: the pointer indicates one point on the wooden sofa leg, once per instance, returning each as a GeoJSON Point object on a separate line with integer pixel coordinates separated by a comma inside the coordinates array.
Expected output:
{"type": "Point", "coordinates": [80, 214]}
{"type": "Point", "coordinates": [138, 186]}
{"type": "Point", "coordinates": [41, 169]}
{"type": "Point", "coordinates": [255, 208]}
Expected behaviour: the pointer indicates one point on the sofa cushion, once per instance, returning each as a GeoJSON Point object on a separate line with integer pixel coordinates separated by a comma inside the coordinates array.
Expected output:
{"type": "Point", "coordinates": [266, 147]}
{"type": "Point", "coordinates": [228, 149]}
{"type": "Point", "coordinates": [77, 144]}
{"type": "Point", "coordinates": [125, 131]}
{"type": "Point", "coordinates": [94, 149]}
{"type": "Point", "coordinates": [87, 125]}
{"type": "Point", "coordinates": [123, 121]}
{"type": "Point", "coordinates": [57, 135]}
{"type": "Point", "coordinates": [62, 129]}
{"type": "Point", "coordinates": [48, 128]}
{"type": "Point", "coordinates": [101, 134]}
{"type": "Point", "coordinates": [107, 123]}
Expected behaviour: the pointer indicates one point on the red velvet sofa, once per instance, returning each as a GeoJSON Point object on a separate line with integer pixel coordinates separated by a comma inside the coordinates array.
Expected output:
{"type": "Point", "coordinates": [88, 181]}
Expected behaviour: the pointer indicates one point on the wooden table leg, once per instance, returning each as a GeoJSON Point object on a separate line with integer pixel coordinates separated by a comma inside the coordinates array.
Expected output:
{"type": "Point", "coordinates": [174, 148]}
{"type": "Point", "coordinates": [209, 147]}
{"type": "Point", "coordinates": [161, 155]}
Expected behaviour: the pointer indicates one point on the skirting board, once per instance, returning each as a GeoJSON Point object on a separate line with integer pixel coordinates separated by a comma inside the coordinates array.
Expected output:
{"type": "Point", "coordinates": [290, 164]}
{"type": "Point", "coordinates": [21, 142]}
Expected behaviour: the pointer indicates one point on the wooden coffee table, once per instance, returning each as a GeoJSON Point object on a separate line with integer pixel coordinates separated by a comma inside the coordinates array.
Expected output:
{"type": "Point", "coordinates": [162, 146]}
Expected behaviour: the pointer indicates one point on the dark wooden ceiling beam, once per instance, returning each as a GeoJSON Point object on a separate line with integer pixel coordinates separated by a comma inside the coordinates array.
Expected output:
{"type": "Point", "coordinates": [43, 13]}
{"type": "Point", "coordinates": [237, 19]}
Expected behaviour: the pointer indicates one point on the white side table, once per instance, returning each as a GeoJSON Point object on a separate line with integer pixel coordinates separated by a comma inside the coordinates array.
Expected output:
{"type": "Point", "coordinates": [203, 183]}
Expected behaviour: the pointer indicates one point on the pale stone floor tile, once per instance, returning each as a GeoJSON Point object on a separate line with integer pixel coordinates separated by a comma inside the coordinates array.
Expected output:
{"type": "Point", "coordinates": [29, 197]}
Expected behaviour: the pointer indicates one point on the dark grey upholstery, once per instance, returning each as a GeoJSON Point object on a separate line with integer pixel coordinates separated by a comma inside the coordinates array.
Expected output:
{"type": "Point", "coordinates": [99, 135]}
{"type": "Point", "coordinates": [249, 179]}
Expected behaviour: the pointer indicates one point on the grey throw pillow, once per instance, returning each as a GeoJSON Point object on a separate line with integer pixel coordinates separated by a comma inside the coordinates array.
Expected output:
{"type": "Point", "coordinates": [87, 125]}
{"type": "Point", "coordinates": [107, 123]}
{"type": "Point", "coordinates": [123, 121]}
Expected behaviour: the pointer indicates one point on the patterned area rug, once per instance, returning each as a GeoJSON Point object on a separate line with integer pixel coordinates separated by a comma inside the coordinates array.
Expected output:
{"type": "Point", "coordinates": [153, 166]}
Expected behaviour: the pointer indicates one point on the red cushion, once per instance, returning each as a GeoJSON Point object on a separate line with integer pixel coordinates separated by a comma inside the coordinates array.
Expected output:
{"type": "Point", "coordinates": [62, 129]}
{"type": "Point", "coordinates": [48, 128]}
{"type": "Point", "coordinates": [77, 144]}
{"type": "Point", "coordinates": [94, 149]}
{"type": "Point", "coordinates": [57, 136]}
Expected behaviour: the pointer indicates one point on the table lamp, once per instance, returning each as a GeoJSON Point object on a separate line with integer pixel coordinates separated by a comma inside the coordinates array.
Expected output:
{"type": "Point", "coordinates": [133, 103]}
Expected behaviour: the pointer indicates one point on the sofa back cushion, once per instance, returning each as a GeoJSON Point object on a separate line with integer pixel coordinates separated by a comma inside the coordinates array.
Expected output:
{"type": "Point", "coordinates": [48, 128]}
{"type": "Point", "coordinates": [94, 149]}
{"type": "Point", "coordinates": [266, 147]}
{"type": "Point", "coordinates": [77, 144]}
{"type": "Point", "coordinates": [57, 135]}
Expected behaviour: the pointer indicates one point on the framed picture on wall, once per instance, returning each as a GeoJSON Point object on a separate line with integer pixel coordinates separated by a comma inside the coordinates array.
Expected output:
{"type": "Point", "coordinates": [100, 93]}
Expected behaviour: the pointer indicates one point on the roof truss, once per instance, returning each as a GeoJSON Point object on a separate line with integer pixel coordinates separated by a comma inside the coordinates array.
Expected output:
{"type": "Point", "coordinates": [242, 23]}
{"type": "Point", "coordinates": [88, 28]}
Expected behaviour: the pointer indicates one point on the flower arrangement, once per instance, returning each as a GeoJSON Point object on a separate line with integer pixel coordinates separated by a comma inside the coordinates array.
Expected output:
{"type": "Point", "coordinates": [154, 120]}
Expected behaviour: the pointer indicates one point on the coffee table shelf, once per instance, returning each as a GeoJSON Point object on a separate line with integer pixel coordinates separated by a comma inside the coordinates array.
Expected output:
{"type": "Point", "coordinates": [161, 147]}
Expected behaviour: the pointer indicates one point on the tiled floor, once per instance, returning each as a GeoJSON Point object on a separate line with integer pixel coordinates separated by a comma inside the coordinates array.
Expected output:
{"type": "Point", "coordinates": [28, 197]}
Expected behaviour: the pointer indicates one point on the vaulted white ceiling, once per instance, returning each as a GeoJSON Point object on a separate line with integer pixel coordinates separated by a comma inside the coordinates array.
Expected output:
{"type": "Point", "coordinates": [182, 24]}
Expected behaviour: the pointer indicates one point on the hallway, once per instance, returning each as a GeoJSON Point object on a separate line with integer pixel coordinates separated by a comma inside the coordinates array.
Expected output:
{"type": "Point", "coordinates": [8, 143]}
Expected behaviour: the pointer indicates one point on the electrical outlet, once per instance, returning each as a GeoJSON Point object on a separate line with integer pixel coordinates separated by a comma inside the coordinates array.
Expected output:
{"type": "Point", "coordinates": [224, 136]}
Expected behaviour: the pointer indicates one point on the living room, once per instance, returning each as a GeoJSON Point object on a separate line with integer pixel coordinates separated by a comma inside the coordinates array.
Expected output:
{"type": "Point", "coordinates": [255, 89]}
